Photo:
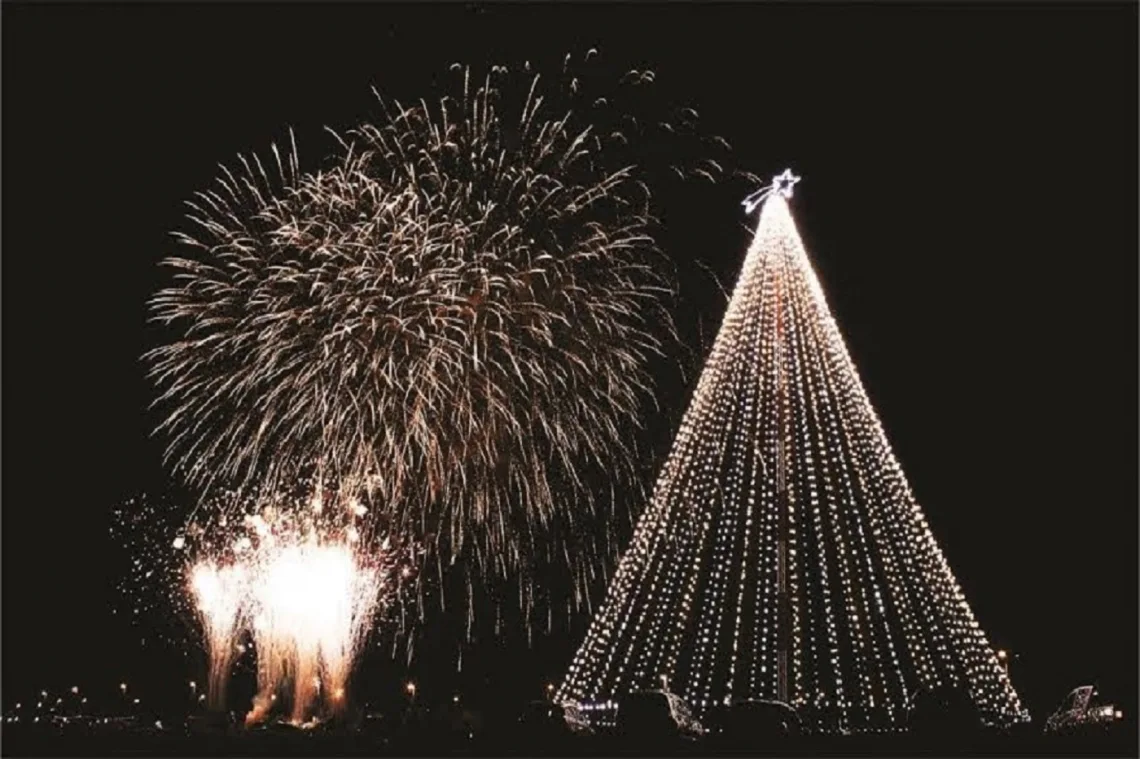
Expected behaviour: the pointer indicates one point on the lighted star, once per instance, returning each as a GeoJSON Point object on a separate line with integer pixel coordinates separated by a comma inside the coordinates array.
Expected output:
{"type": "Point", "coordinates": [785, 183]}
{"type": "Point", "coordinates": [782, 184]}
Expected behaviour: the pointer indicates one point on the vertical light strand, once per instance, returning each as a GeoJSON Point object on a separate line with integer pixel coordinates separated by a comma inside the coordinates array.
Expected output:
{"type": "Point", "coordinates": [867, 587]}
{"type": "Point", "coordinates": [854, 410]}
{"type": "Point", "coordinates": [764, 644]}
{"type": "Point", "coordinates": [786, 364]}
{"type": "Point", "coordinates": [746, 458]}
{"type": "Point", "coordinates": [850, 471]}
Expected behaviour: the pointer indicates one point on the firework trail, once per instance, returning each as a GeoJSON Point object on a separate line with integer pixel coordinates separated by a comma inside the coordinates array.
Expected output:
{"type": "Point", "coordinates": [452, 322]}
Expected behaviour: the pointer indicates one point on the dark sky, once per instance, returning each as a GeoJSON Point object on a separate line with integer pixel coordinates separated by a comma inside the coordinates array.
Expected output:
{"type": "Point", "coordinates": [969, 199]}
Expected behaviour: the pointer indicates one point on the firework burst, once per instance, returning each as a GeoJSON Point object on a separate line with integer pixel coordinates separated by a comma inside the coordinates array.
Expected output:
{"type": "Point", "coordinates": [453, 322]}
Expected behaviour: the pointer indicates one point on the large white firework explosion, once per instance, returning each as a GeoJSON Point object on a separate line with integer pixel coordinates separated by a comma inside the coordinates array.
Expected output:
{"type": "Point", "coordinates": [452, 322]}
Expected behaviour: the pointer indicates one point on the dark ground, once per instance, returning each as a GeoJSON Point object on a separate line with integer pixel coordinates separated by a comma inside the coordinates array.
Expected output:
{"type": "Point", "coordinates": [25, 741]}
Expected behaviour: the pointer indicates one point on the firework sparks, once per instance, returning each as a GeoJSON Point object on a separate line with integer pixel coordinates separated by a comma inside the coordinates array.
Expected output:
{"type": "Point", "coordinates": [452, 323]}
{"type": "Point", "coordinates": [220, 594]}
{"type": "Point", "coordinates": [313, 602]}
{"type": "Point", "coordinates": [295, 582]}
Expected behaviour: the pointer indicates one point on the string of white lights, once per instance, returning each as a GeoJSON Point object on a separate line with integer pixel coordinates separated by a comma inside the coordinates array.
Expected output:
{"type": "Point", "coordinates": [783, 553]}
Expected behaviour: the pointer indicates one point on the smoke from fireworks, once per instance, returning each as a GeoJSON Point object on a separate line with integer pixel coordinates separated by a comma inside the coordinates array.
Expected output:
{"type": "Point", "coordinates": [453, 321]}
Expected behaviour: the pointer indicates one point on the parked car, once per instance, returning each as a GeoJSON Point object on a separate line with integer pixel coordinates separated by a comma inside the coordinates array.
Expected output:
{"type": "Point", "coordinates": [654, 714]}
{"type": "Point", "coordinates": [753, 722]}
{"type": "Point", "coordinates": [943, 712]}
{"type": "Point", "coordinates": [1082, 711]}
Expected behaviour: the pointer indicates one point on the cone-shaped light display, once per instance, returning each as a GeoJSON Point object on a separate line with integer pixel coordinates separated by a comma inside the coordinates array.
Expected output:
{"type": "Point", "coordinates": [783, 555]}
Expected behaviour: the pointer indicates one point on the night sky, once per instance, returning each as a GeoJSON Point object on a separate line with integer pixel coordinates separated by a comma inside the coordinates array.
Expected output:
{"type": "Point", "coordinates": [969, 200]}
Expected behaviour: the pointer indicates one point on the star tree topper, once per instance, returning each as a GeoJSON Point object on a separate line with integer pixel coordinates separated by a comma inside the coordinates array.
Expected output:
{"type": "Point", "coordinates": [784, 184]}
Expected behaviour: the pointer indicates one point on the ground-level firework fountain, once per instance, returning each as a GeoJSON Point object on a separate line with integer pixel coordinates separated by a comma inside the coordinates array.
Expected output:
{"type": "Point", "coordinates": [219, 594]}
{"type": "Point", "coordinates": [300, 583]}
{"type": "Point", "coordinates": [312, 602]}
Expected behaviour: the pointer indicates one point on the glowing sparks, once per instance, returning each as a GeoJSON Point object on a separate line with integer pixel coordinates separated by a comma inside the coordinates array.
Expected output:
{"type": "Point", "coordinates": [313, 602]}
{"type": "Point", "coordinates": [220, 594]}
{"type": "Point", "coordinates": [489, 258]}
{"type": "Point", "coordinates": [306, 588]}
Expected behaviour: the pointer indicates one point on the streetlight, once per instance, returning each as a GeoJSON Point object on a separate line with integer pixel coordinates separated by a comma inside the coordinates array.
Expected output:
{"type": "Point", "coordinates": [410, 687]}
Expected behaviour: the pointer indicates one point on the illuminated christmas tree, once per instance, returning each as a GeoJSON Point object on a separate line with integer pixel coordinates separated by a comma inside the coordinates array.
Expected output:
{"type": "Point", "coordinates": [783, 556]}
